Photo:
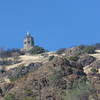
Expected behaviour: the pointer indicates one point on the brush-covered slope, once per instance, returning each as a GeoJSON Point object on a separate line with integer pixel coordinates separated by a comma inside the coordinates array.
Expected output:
{"type": "Point", "coordinates": [68, 74]}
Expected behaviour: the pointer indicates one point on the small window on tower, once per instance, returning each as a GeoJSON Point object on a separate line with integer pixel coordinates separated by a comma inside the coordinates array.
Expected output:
{"type": "Point", "coordinates": [28, 42]}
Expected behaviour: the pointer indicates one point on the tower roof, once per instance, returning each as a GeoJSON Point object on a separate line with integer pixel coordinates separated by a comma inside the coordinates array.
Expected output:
{"type": "Point", "coordinates": [28, 34]}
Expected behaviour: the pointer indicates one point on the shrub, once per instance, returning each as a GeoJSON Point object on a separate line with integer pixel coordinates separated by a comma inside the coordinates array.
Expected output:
{"type": "Point", "coordinates": [73, 58]}
{"type": "Point", "coordinates": [28, 98]}
{"type": "Point", "coordinates": [94, 70]}
{"type": "Point", "coordinates": [13, 79]}
{"type": "Point", "coordinates": [69, 70]}
{"type": "Point", "coordinates": [28, 92]}
{"type": "Point", "coordinates": [81, 89]}
{"type": "Point", "coordinates": [89, 49]}
{"type": "Point", "coordinates": [37, 50]}
{"type": "Point", "coordinates": [51, 58]}
{"type": "Point", "coordinates": [10, 97]}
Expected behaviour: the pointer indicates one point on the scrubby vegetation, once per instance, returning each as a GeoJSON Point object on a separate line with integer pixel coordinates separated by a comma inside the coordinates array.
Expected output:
{"type": "Point", "coordinates": [10, 97]}
{"type": "Point", "coordinates": [51, 58]}
{"type": "Point", "coordinates": [6, 54]}
{"type": "Point", "coordinates": [37, 50]}
{"type": "Point", "coordinates": [73, 58]}
{"type": "Point", "coordinates": [13, 79]}
{"type": "Point", "coordinates": [87, 49]}
{"type": "Point", "coordinates": [58, 77]}
{"type": "Point", "coordinates": [28, 92]}
{"type": "Point", "coordinates": [80, 91]}
{"type": "Point", "coordinates": [94, 70]}
{"type": "Point", "coordinates": [28, 98]}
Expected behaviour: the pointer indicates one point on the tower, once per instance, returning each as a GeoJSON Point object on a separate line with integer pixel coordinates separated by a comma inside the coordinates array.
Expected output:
{"type": "Point", "coordinates": [28, 42]}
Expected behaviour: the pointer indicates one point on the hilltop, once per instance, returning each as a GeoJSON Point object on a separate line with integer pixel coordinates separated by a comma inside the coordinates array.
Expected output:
{"type": "Point", "coordinates": [66, 74]}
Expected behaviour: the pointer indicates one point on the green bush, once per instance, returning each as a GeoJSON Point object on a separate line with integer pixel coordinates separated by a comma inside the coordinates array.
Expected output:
{"type": "Point", "coordinates": [37, 50]}
{"type": "Point", "coordinates": [28, 92]}
{"type": "Point", "coordinates": [28, 98]}
{"type": "Point", "coordinates": [80, 88]}
{"type": "Point", "coordinates": [73, 58]}
{"type": "Point", "coordinates": [10, 97]}
{"type": "Point", "coordinates": [94, 70]}
{"type": "Point", "coordinates": [51, 58]}
{"type": "Point", "coordinates": [69, 70]}
{"type": "Point", "coordinates": [55, 78]}
{"type": "Point", "coordinates": [89, 49]}
{"type": "Point", "coordinates": [13, 79]}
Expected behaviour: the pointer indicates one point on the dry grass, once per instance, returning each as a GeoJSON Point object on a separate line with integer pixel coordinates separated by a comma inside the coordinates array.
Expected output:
{"type": "Point", "coordinates": [28, 59]}
{"type": "Point", "coordinates": [87, 69]}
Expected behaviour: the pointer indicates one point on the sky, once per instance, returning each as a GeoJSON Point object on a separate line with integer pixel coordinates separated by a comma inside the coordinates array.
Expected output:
{"type": "Point", "coordinates": [54, 24]}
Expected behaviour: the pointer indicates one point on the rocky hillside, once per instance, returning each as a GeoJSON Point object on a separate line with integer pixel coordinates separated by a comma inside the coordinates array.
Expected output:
{"type": "Point", "coordinates": [67, 74]}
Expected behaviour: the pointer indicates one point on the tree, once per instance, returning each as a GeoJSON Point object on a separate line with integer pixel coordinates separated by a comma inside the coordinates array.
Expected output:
{"type": "Point", "coordinates": [37, 50]}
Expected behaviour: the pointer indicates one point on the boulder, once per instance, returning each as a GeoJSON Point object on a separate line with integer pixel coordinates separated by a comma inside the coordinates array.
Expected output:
{"type": "Point", "coordinates": [86, 60]}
